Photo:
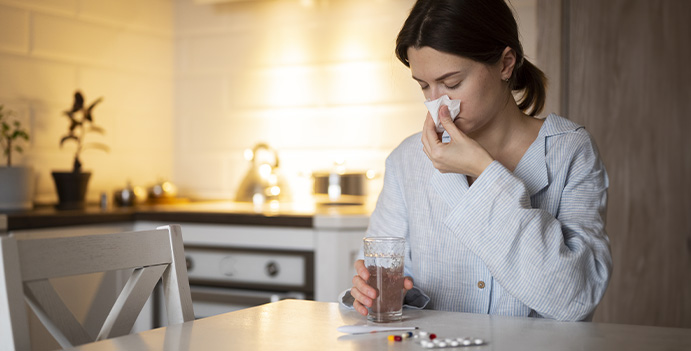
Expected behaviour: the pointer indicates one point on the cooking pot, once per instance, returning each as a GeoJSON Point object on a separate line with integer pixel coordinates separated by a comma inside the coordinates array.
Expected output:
{"type": "Point", "coordinates": [341, 187]}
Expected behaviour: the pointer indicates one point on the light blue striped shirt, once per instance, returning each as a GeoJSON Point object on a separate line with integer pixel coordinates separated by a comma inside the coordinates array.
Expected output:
{"type": "Point", "coordinates": [530, 242]}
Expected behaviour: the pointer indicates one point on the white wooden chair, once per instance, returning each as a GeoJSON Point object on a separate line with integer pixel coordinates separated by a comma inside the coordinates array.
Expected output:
{"type": "Point", "coordinates": [27, 264]}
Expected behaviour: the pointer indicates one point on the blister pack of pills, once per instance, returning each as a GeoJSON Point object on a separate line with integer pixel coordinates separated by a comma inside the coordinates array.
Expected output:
{"type": "Point", "coordinates": [431, 341]}
{"type": "Point", "coordinates": [448, 342]}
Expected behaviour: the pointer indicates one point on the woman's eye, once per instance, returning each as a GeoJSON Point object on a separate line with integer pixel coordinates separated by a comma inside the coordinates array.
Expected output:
{"type": "Point", "coordinates": [453, 87]}
{"type": "Point", "coordinates": [424, 87]}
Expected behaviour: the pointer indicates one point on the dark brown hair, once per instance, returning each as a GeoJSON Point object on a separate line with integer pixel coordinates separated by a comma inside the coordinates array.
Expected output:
{"type": "Point", "coordinates": [476, 29]}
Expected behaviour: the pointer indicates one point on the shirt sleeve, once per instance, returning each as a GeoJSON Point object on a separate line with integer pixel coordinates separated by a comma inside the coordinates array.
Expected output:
{"type": "Point", "coordinates": [558, 266]}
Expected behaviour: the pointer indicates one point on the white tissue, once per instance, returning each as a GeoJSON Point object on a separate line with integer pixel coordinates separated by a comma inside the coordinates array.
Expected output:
{"type": "Point", "coordinates": [434, 105]}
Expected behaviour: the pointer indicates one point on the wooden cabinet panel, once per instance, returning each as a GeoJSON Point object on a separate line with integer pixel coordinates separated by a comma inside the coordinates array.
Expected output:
{"type": "Point", "coordinates": [628, 80]}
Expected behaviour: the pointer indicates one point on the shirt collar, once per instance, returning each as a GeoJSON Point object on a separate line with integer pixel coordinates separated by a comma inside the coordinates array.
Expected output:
{"type": "Point", "coordinates": [532, 168]}
{"type": "Point", "coordinates": [555, 125]}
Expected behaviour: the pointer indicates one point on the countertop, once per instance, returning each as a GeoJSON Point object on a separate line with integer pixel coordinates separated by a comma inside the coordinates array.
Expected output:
{"type": "Point", "coordinates": [211, 212]}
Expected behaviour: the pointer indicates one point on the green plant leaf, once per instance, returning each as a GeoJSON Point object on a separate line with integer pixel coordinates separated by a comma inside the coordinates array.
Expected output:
{"type": "Point", "coordinates": [95, 145]}
{"type": "Point", "coordinates": [78, 102]}
{"type": "Point", "coordinates": [87, 113]}
{"type": "Point", "coordinates": [20, 134]}
{"type": "Point", "coordinates": [68, 137]}
{"type": "Point", "coordinates": [74, 125]}
{"type": "Point", "coordinates": [97, 129]}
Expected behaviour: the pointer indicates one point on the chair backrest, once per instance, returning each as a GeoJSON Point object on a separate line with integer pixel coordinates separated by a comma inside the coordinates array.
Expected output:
{"type": "Point", "coordinates": [27, 264]}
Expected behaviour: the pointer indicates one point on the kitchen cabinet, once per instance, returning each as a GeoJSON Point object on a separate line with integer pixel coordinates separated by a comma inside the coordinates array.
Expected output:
{"type": "Point", "coordinates": [620, 68]}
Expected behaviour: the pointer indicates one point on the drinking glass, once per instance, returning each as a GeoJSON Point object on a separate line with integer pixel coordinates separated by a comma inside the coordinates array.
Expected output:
{"type": "Point", "coordinates": [384, 261]}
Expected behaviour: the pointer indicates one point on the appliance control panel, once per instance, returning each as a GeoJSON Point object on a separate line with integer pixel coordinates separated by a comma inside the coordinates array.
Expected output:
{"type": "Point", "coordinates": [242, 266]}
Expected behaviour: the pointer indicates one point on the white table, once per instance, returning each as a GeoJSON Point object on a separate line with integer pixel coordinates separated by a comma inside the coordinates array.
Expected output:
{"type": "Point", "coordinates": [309, 325]}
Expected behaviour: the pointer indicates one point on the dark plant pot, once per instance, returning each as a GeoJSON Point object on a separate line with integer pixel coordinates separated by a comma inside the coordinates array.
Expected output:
{"type": "Point", "coordinates": [71, 189]}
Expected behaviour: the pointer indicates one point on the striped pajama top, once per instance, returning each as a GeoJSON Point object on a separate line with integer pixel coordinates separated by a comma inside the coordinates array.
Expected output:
{"type": "Point", "coordinates": [530, 242]}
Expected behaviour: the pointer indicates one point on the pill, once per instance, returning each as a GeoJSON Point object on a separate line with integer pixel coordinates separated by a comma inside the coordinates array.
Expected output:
{"type": "Point", "coordinates": [478, 341]}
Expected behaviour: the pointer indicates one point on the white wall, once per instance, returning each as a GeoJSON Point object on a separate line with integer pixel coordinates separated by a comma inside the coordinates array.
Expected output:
{"type": "Point", "coordinates": [120, 50]}
{"type": "Point", "coordinates": [188, 87]}
{"type": "Point", "coordinates": [317, 80]}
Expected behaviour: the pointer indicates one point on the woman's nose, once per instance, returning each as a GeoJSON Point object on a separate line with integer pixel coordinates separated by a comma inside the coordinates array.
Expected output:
{"type": "Point", "coordinates": [433, 94]}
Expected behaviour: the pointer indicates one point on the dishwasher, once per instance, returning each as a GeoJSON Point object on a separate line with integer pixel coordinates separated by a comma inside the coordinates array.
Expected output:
{"type": "Point", "coordinates": [226, 279]}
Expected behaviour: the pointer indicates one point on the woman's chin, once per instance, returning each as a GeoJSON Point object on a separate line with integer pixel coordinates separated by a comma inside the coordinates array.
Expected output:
{"type": "Point", "coordinates": [463, 125]}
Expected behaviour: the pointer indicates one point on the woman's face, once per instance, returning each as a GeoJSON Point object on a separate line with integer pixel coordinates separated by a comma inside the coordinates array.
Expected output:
{"type": "Point", "coordinates": [479, 86]}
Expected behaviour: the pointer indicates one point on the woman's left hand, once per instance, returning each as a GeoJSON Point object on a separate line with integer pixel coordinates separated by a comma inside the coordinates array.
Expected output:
{"type": "Point", "coordinates": [460, 155]}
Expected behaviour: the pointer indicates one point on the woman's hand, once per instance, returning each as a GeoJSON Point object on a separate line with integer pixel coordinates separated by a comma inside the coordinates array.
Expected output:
{"type": "Point", "coordinates": [460, 155]}
{"type": "Point", "coordinates": [365, 294]}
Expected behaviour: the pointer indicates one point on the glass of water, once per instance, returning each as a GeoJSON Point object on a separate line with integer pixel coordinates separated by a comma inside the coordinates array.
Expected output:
{"type": "Point", "coordinates": [384, 261]}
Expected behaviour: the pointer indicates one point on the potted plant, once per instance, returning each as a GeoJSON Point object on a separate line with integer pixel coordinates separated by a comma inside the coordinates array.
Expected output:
{"type": "Point", "coordinates": [72, 185]}
{"type": "Point", "coordinates": [16, 182]}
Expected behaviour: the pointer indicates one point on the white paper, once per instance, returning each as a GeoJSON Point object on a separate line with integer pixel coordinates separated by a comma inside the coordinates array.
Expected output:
{"type": "Point", "coordinates": [364, 328]}
{"type": "Point", "coordinates": [434, 105]}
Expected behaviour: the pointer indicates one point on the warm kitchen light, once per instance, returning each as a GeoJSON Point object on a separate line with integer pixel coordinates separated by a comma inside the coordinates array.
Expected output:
{"type": "Point", "coordinates": [265, 171]}
{"type": "Point", "coordinates": [258, 199]}
{"type": "Point", "coordinates": [275, 190]}
{"type": "Point", "coordinates": [356, 83]}
{"type": "Point", "coordinates": [248, 154]}
{"type": "Point", "coordinates": [274, 205]}
{"type": "Point", "coordinates": [307, 3]}
{"type": "Point", "coordinates": [290, 86]}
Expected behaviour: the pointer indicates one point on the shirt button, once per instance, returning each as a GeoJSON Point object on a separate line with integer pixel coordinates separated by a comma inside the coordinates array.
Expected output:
{"type": "Point", "coordinates": [481, 284]}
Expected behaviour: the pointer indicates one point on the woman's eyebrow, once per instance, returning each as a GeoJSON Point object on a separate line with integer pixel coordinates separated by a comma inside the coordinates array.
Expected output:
{"type": "Point", "coordinates": [440, 78]}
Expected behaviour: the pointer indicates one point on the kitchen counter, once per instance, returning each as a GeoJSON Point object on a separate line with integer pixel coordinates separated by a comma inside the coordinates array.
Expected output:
{"type": "Point", "coordinates": [211, 212]}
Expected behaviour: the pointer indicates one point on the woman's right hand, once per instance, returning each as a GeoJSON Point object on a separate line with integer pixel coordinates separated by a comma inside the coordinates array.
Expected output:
{"type": "Point", "coordinates": [364, 294]}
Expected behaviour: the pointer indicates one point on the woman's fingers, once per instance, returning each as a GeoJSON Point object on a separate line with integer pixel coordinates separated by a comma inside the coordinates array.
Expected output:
{"type": "Point", "coordinates": [447, 123]}
{"type": "Point", "coordinates": [361, 292]}
{"type": "Point", "coordinates": [361, 297]}
{"type": "Point", "coordinates": [408, 283]}
{"type": "Point", "coordinates": [360, 308]}
{"type": "Point", "coordinates": [364, 294]}
{"type": "Point", "coordinates": [362, 288]}
{"type": "Point", "coordinates": [360, 280]}
{"type": "Point", "coordinates": [429, 131]}
{"type": "Point", "coordinates": [361, 269]}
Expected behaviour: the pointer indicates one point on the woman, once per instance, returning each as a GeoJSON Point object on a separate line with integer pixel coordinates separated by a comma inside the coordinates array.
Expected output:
{"type": "Point", "coordinates": [508, 217]}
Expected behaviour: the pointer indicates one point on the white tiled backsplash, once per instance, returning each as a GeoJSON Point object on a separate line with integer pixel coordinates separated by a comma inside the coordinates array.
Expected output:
{"type": "Point", "coordinates": [188, 87]}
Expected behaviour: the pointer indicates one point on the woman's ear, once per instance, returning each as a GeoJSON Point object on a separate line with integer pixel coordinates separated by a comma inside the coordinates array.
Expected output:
{"type": "Point", "coordinates": [508, 62]}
